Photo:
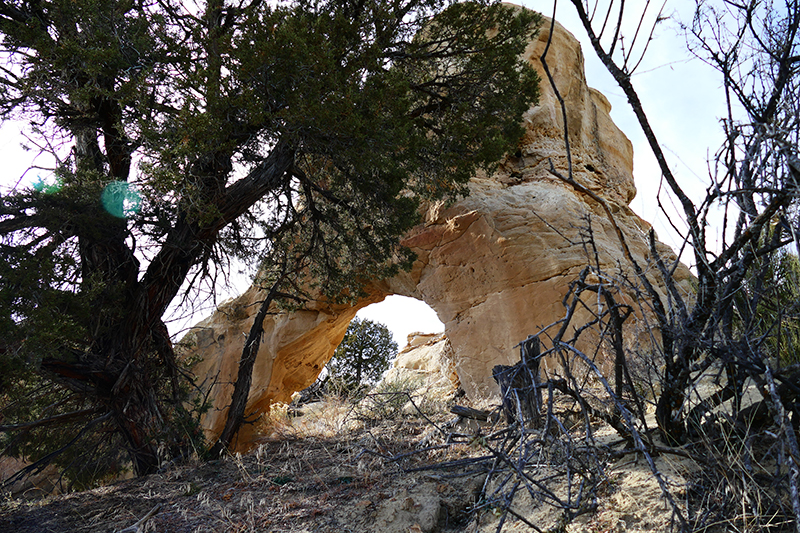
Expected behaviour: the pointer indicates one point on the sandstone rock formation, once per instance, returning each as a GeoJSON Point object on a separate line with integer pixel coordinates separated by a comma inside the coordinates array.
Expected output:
{"type": "Point", "coordinates": [427, 361]}
{"type": "Point", "coordinates": [494, 266]}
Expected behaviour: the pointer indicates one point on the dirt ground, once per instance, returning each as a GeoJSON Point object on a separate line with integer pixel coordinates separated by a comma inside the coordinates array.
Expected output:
{"type": "Point", "coordinates": [313, 475]}
{"type": "Point", "coordinates": [287, 485]}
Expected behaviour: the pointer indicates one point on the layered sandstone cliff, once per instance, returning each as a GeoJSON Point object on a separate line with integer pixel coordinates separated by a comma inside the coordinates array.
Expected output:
{"type": "Point", "coordinates": [494, 266]}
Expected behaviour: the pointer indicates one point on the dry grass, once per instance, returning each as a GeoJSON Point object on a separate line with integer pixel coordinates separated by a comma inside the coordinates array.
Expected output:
{"type": "Point", "coordinates": [392, 464]}
{"type": "Point", "coordinates": [308, 473]}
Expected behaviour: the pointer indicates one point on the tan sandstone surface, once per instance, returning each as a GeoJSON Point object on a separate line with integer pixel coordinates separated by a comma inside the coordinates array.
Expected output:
{"type": "Point", "coordinates": [494, 265]}
{"type": "Point", "coordinates": [428, 363]}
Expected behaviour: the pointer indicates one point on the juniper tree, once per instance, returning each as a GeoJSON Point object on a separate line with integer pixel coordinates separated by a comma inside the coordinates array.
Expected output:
{"type": "Point", "coordinates": [363, 356]}
{"type": "Point", "coordinates": [186, 135]}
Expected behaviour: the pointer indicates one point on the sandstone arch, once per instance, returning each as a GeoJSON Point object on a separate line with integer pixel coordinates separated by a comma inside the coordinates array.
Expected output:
{"type": "Point", "coordinates": [494, 266]}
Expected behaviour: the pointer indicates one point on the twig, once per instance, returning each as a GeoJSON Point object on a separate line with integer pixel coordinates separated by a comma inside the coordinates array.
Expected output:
{"type": "Point", "coordinates": [137, 527]}
{"type": "Point", "coordinates": [787, 429]}
{"type": "Point", "coordinates": [636, 437]}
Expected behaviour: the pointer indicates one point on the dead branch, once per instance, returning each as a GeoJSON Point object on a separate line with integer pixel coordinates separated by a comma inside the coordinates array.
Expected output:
{"type": "Point", "coordinates": [137, 527]}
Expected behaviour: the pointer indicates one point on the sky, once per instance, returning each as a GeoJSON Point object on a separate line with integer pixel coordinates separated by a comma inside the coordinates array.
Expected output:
{"type": "Point", "coordinates": [681, 96]}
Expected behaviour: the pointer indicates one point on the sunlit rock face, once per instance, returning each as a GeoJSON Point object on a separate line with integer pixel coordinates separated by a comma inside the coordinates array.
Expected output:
{"type": "Point", "coordinates": [494, 266]}
{"type": "Point", "coordinates": [426, 364]}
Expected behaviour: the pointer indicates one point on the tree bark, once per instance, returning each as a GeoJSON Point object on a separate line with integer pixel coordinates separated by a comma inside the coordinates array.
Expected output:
{"type": "Point", "coordinates": [241, 389]}
{"type": "Point", "coordinates": [520, 386]}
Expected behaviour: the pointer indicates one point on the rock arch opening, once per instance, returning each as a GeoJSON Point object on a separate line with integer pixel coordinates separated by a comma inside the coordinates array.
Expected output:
{"type": "Point", "coordinates": [403, 316]}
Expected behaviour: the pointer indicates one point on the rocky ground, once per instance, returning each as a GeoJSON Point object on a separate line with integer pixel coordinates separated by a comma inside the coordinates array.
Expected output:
{"type": "Point", "coordinates": [335, 469]}
{"type": "Point", "coordinates": [313, 484]}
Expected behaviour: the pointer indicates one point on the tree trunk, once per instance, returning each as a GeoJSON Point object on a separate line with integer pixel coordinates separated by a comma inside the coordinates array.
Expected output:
{"type": "Point", "coordinates": [241, 389]}
{"type": "Point", "coordinates": [141, 449]}
{"type": "Point", "coordinates": [666, 409]}
{"type": "Point", "coordinates": [520, 387]}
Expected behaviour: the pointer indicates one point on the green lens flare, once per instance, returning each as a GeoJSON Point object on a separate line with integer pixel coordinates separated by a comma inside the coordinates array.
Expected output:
{"type": "Point", "coordinates": [120, 199]}
{"type": "Point", "coordinates": [47, 188]}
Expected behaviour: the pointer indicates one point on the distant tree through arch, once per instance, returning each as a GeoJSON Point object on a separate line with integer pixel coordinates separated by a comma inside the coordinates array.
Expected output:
{"type": "Point", "coordinates": [362, 357]}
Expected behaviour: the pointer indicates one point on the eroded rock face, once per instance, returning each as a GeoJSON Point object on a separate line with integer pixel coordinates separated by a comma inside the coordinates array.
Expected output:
{"type": "Point", "coordinates": [494, 266]}
{"type": "Point", "coordinates": [428, 363]}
